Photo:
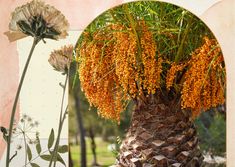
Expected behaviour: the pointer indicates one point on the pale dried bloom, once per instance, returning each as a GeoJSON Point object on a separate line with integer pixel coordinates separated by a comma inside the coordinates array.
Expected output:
{"type": "Point", "coordinates": [18, 147]}
{"type": "Point", "coordinates": [39, 20]}
{"type": "Point", "coordinates": [61, 59]}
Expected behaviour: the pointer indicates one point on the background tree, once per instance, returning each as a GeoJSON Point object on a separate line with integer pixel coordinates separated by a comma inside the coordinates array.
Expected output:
{"type": "Point", "coordinates": [75, 91]}
{"type": "Point", "coordinates": [107, 130]}
{"type": "Point", "coordinates": [164, 60]}
{"type": "Point", "coordinates": [70, 159]}
{"type": "Point", "coordinates": [211, 127]}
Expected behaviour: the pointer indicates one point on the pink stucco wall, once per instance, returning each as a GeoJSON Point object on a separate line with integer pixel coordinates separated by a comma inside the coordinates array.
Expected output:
{"type": "Point", "coordinates": [78, 13]}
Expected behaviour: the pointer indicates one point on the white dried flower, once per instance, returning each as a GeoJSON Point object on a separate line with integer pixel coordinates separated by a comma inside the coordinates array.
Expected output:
{"type": "Point", "coordinates": [61, 59]}
{"type": "Point", "coordinates": [39, 20]}
{"type": "Point", "coordinates": [18, 147]}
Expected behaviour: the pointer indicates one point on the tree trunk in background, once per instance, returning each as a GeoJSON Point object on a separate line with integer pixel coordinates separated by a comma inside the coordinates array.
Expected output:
{"type": "Point", "coordinates": [82, 130]}
{"type": "Point", "coordinates": [160, 135]}
{"type": "Point", "coordinates": [70, 159]}
{"type": "Point", "coordinates": [104, 134]}
{"type": "Point", "coordinates": [93, 147]}
{"type": "Point", "coordinates": [76, 138]}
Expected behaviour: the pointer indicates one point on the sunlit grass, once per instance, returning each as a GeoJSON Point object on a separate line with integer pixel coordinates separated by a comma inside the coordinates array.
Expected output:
{"type": "Point", "coordinates": [105, 157]}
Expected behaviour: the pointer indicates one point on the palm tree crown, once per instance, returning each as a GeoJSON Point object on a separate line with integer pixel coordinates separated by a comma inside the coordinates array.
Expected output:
{"type": "Point", "coordinates": [141, 49]}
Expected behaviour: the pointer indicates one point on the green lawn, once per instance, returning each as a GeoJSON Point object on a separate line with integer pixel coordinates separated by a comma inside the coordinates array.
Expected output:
{"type": "Point", "coordinates": [104, 156]}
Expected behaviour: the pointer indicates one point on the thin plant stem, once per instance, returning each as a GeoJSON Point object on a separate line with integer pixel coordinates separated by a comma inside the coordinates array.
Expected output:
{"type": "Point", "coordinates": [35, 41]}
{"type": "Point", "coordinates": [36, 157]}
{"type": "Point", "coordinates": [25, 147]}
{"type": "Point", "coordinates": [58, 137]}
{"type": "Point", "coordinates": [25, 144]}
{"type": "Point", "coordinates": [62, 100]}
{"type": "Point", "coordinates": [61, 121]}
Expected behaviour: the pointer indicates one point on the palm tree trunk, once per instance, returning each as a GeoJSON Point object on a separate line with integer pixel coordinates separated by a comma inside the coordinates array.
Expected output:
{"type": "Point", "coordinates": [160, 135]}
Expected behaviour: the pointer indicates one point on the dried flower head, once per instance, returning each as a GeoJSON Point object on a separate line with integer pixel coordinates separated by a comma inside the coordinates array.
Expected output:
{"type": "Point", "coordinates": [29, 119]}
{"type": "Point", "coordinates": [39, 20]}
{"type": "Point", "coordinates": [26, 127]}
{"type": "Point", "coordinates": [24, 116]}
{"type": "Point", "coordinates": [37, 134]}
{"type": "Point", "coordinates": [22, 120]}
{"type": "Point", "coordinates": [36, 123]}
{"type": "Point", "coordinates": [61, 59]}
{"type": "Point", "coordinates": [31, 141]}
{"type": "Point", "coordinates": [18, 147]}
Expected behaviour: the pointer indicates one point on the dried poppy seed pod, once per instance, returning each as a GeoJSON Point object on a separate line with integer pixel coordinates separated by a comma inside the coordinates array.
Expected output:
{"type": "Point", "coordinates": [38, 20]}
{"type": "Point", "coordinates": [61, 59]}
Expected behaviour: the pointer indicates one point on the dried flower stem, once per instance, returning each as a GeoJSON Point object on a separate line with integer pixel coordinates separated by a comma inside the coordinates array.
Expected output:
{"type": "Point", "coordinates": [58, 137]}
{"type": "Point", "coordinates": [25, 147]}
{"type": "Point", "coordinates": [36, 157]}
{"type": "Point", "coordinates": [35, 41]}
{"type": "Point", "coordinates": [61, 122]}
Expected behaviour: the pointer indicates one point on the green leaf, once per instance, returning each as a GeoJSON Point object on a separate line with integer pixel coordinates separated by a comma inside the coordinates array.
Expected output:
{"type": "Point", "coordinates": [29, 153]}
{"type": "Point", "coordinates": [3, 129]}
{"type": "Point", "coordinates": [4, 132]}
{"type": "Point", "coordinates": [63, 149]}
{"type": "Point", "coordinates": [51, 139]}
{"type": "Point", "coordinates": [34, 165]}
{"type": "Point", "coordinates": [59, 158]}
{"type": "Point", "coordinates": [38, 146]}
{"type": "Point", "coordinates": [46, 157]}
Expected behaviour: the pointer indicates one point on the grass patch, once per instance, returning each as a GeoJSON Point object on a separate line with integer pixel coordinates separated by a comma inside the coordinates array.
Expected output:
{"type": "Point", "coordinates": [105, 157]}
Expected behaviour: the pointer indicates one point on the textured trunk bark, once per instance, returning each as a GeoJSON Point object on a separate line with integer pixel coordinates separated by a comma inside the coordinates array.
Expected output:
{"type": "Point", "coordinates": [160, 135]}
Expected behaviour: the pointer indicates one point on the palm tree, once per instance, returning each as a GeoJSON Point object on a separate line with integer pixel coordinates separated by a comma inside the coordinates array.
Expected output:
{"type": "Point", "coordinates": [168, 63]}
